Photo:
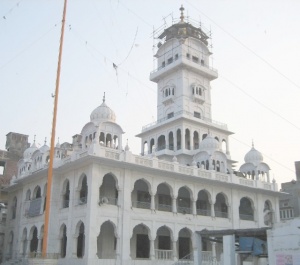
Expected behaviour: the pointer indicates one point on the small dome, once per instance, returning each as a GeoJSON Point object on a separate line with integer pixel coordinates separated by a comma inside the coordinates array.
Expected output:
{"type": "Point", "coordinates": [103, 113]}
{"type": "Point", "coordinates": [29, 151]}
{"type": "Point", "coordinates": [253, 156]}
{"type": "Point", "coordinates": [209, 144]}
{"type": "Point", "coordinates": [44, 148]}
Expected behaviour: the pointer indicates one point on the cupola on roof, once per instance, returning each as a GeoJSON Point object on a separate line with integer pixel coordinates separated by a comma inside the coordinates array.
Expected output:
{"type": "Point", "coordinates": [209, 144]}
{"type": "Point", "coordinates": [103, 113]}
{"type": "Point", "coordinates": [253, 156]}
{"type": "Point", "coordinates": [29, 151]}
{"type": "Point", "coordinates": [44, 148]}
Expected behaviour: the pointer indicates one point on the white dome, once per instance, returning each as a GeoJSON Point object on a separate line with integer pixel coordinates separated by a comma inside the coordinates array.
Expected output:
{"type": "Point", "coordinates": [44, 148]}
{"type": "Point", "coordinates": [209, 144]}
{"type": "Point", "coordinates": [253, 156]}
{"type": "Point", "coordinates": [29, 151]}
{"type": "Point", "coordinates": [103, 113]}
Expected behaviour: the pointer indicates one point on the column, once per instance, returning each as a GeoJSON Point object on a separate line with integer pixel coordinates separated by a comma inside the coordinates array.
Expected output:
{"type": "Point", "coordinates": [182, 139]}
{"type": "Point", "coordinates": [152, 207]}
{"type": "Point", "coordinates": [152, 251]}
{"type": "Point", "coordinates": [39, 248]}
{"type": "Point", "coordinates": [174, 242]}
{"type": "Point", "coordinates": [174, 204]}
{"type": "Point", "coordinates": [229, 250]}
{"type": "Point", "coordinates": [212, 208]}
{"type": "Point", "coordinates": [213, 251]}
{"type": "Point", "coordinates": [167, 142]}
{"type": "Point", "coordinates": [194, 207]}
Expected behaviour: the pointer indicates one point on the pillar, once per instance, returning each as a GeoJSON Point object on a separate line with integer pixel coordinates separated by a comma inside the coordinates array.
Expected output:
{"type": "Point", "coordinates": [152, 207]}
{"type": "Point", "coordinates": [194, 207]}
{"type": "Point", "coordinates": [229, 250]}
{"type": "Point", "coordinates": [74, 251]}
{"type": "Point", "coordinates": [152, 251]}
{"type": "Point", "coordinates": [174, 254]}
{"type": "Point", "coordinates": [175, 140]}
{"type": "Point", "coordinates": [212, 208]}
{"type": "Point", "coordinates": [174, 204]}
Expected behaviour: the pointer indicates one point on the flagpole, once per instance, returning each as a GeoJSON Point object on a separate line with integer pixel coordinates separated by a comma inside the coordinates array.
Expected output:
{"type": "Point", "coordinates": [50, 167]}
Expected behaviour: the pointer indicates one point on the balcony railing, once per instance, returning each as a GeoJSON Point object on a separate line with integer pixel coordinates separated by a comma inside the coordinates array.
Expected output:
{"type": "Point", "coordinates": [142, 205]}
{"type": "Point", "coordinates": [221, 214]}
{"type": "Point", "coordinates": [247, 217]}
{"type": "Point", "coordinates": [184, 210]}
{"type": "Point", "coordinates": [108, 200]}
{"type": "Point", "coordinates": [204, 212]}
{"type": "Point", "coordinates": [164, 207]}
{"type": "Point", "coordinates": [163, 254]}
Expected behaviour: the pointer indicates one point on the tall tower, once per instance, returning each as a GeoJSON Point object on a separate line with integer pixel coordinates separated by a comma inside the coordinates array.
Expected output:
{"type": "Point", "coordinates": [183, 77]}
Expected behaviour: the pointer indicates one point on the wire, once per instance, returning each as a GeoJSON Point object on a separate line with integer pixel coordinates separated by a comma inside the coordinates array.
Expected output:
{"type": "Point", "coordinates": [246, 47]}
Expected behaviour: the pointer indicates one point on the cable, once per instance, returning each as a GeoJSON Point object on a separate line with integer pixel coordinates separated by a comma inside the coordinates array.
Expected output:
{"type": "Point", "coordinates": [246, 47]}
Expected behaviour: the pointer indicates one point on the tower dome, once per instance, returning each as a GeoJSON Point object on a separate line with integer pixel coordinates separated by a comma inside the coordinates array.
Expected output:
{"type": "Point", "coordinates": [209, 144]}
{"type": "Point", "coordinates": [29, 151]}
{"type": "Point", "coordinates": [103, 113]}
{"type": "Point", "coordinates": [44, 148]}
{"type": "Point", "coordinates": [253, 156]}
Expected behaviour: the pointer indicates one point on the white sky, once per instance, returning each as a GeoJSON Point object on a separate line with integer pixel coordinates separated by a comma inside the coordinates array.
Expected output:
{"type": "Point", "coordinates": [255, 49]}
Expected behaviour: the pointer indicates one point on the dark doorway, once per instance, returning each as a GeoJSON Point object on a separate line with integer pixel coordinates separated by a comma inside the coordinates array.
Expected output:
{"type": "Point", "coordinates": [142, 246]}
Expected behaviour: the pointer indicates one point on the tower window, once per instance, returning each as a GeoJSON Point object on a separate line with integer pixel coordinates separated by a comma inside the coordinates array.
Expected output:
{"type": "Point", "coordinates": [170, 60]}
{"type": "Point", "coordinates": [195, 59]}
{"type": "Point", "coordinates": [170, 115]}
{"type": "Point", "coordinates": [188, 56]}
{"type": "Point", "coordinates": [197, 115]}
{"type": "Point", "coordinates": [163, 64]}
{"type": "Point", "coordinates": [176, 56]}
{"type": "Point", "coordinates": [202, 62]}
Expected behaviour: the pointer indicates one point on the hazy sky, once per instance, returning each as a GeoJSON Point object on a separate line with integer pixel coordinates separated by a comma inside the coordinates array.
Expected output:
{"type": "Point", "coordinates": [255, 45]}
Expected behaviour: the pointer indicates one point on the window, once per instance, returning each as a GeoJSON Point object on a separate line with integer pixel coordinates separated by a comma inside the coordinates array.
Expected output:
{"type": "Point", "coordinates": [195, 59]}
{"type": "Point", "coordinates": [2, 167]}
{"type": "Point", "coordinates": [188, 55]}
{"type": "Point", "coordinates": [197, 115]}
{"type": "Point", "coordinates": [176, 56]}
{"type": "Point", "coordinates": [163, 64]}
{"type": "Point", "coordinates": [202, 62]}
{"type": "Point", "coordinates": [170, 115]}
{"type": "Point", "coordinates": [170, 60]}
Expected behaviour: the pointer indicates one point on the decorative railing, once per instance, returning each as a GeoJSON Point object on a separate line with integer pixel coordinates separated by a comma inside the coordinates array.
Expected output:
{"type": "Point", "coordinates": [221, 214]}
{"type": "Point", "coordinates": [184, 210]}
{"type": "Point", "coordinates": [203, 212]}
{"type": "Point", "coordinates": [108, 200]}
{"type": "Point", "coordinates": [163, 254]}
{"type": "Point", "coordinates": [142, 205]}
{"type": "Point", "coordinates": [164, 207]}
{"type": "Point", "coordinates": [246, 217]}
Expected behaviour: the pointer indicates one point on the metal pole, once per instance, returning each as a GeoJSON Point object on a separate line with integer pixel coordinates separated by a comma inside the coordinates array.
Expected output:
{"type": "Point", "coordinates": [50, 168]}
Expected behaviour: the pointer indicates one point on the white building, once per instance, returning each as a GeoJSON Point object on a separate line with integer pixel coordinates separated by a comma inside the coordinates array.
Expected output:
{"type": "Point", "coordinates": [109, 206]}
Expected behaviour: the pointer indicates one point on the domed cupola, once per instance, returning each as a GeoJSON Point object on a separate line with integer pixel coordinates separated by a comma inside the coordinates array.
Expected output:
{"type": "Point", "coordinates": [103, 113]}
{"type": "Point", "coordinates": [29, 151]}
{"type": "Point", "coordinates": [209, 144]}
{"type": "Point", "coordinates": [253, 156]}
{"type": "Point", "coordinates": [44, 148]}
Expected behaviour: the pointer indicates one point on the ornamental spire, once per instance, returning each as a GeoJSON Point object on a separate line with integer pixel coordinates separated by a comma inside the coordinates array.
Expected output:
{"type": "Point", "coordinates": [181, 13]}
{"type": "Point", "coordinates": [104, 97]}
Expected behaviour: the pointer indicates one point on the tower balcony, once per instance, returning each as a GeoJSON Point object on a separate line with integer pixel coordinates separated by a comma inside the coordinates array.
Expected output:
{"type": "Point", "coordinates": [184, 61]}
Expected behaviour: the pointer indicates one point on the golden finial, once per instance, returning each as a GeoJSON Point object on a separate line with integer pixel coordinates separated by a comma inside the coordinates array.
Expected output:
{"type": "Point", "coordinates": [181, 14]}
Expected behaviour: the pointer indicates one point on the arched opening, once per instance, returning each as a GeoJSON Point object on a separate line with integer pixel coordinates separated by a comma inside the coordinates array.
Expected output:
{"type": "Point", "coordinates": [204, 136]}
{"type": "Point", "coordinates": [108, 140]}
{"type": "Point", "coordinates": [184, 201]}
{"type": "Point", "coordinates": [187, 139]}
{"type": "Point", "coordinates": [108, 193]}
{"type": "Point", "coordinates": [196, 140]}
{"type": "Point", "coordinates": [102, 138]}
{"type": "Point", "coordinates": [178, 139]}
{"type": "Point", "coordinates": [171, 141]}
{"type": "Point", "coordinates": [66, 194]}
{"type": "Point", "coordinates": [80, 241]}
{"type": "Point", "coordinates": [34, 240]}
{"type": "Point", "coordinates": [161, 143]}
{"type": "Point", "coordinates": [224, 146]}
{"type": "Point", "coordinates": [151, 146]}
{"type": "Point", "coordinates": [28, 195]}
{"type": "Point", "coordinates": [202, 203]}
{"type": "Point", "coordinates": [83, 192]}
{"type": "Point", "coordinates": [140, 196]}
{"type": "Point", "coordinates": [63, 241]}
{"type": "Point", "coordinates": [246, 209]}
{"type": "Point", "coordinates": [268, 213]}
{"type": "Point", "coordinates": [221, 209]}
{"type": "Point", "coordinates": [163, 198]}
{"type": "Point", "coordinates": [37, 192]}
{"type": "Point", "coordinates": [163, 244]}
{"type": "Point", "coordinates": [184, 244]}
{"type": "Point", "coordinates": [115, 144]}
{"type": "Point", "coordinates": [145, 148]}
{"type": "Point", "coordinates": [106, 241]}
{"type": "Point", "coordinates": [14, 208]}
{"type": "Point", "coordinates": [140, 243]}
